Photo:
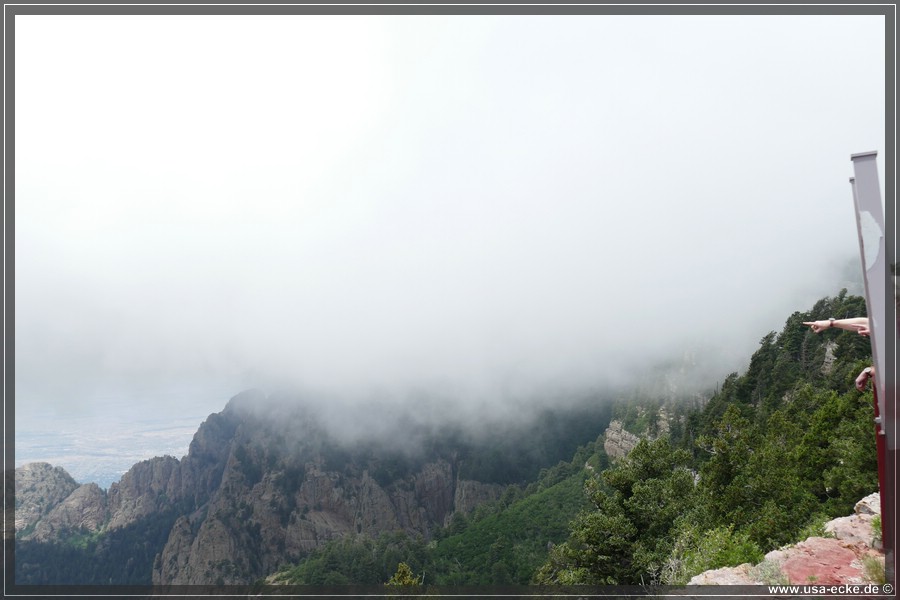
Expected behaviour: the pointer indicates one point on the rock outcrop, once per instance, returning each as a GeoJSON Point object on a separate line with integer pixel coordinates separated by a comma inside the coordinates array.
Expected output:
{"type": "Point", "coordinates": [858, 526]}
{"type": "Point", "coordinates": [828, 361]}
{"type": "Point", "coordinates": [145, 489]}
{"type": "Point", "coordinates": [50, 504]}
{"type": "Point", "coordinates": [40, 487]}
{"type": "Point", "coordinates": [617, 441]}
{"type": "Point", "coordinates": [820, 560]}
{"type": "Point", "coordinates": [84, 510]}
{"type": "Point", "coordinates": [470, 494]}
{"type": "Point", "coordinates": [263, 483]}
{"type": "Point", "coordinates": [247, 530]}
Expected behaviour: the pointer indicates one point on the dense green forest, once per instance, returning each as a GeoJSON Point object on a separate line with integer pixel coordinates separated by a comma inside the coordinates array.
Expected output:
{"type": "Point", "coordinates": [117, 557]}
{"type": "Point", "coordinates": [773, 455]}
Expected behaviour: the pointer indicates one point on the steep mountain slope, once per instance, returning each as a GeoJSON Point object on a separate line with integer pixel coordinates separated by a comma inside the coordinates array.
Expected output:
{"type": "Point", "coordinates": [40, 489]}
{"type": "Point", "coordinates": [501, 543]}
{"type": "Point", "coordinates": [266, 481]}
{"type": "Point", "coordinates": [784, 446]}
{"type": "Point", "coordinates": [270, 480]}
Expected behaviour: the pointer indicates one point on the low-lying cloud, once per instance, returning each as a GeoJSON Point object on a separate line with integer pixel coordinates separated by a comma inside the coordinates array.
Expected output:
{"type": "Point", "coordinates": [474, 221]}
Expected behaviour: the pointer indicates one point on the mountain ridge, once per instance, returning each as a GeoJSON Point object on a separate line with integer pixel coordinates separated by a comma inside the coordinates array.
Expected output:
{"type": "Point", "coordinates": [264, 481]}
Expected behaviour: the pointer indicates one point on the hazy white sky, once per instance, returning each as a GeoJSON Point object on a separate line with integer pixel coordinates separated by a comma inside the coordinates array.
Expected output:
{"type": "Point", "coordinates": [358, 202]}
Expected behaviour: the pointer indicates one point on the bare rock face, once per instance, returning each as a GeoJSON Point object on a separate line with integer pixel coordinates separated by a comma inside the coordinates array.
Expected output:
{"type": "Point", "coordinates": [40, 487]}
{"type": "Point", "coordinates": [822, 561]}
{"type": "Point", "coordinates": [434, 487]}
{"type": "Point", "coordinates": [740, 575]}
{"type": "Point", "coordinates": [376, 508]}
{"type": "Point", "coordinates": [265, 491]}
{"type": "Point", "coordinates": [250, 531]}
{"type": "Point", "coordinates": [263, 484]}
{"type": "Point", "coordinates": [828, 362]}
{"type": "Point", "coordinates": [85, 509]}
{"type": "Point", "coordinates": [870, 505]}
{"type": "Point", "coordinates": [470, 494]}
{"type": "Point", "coordinates": [201, 470]}
{"type": "Point", "coordinates": [855, 529]}
{"type": "Point", "coordinates": [662, 423]}
{"type": "Point", "coordinates": [143, 490]}
{"type": "Point", "coordinates": [179, 544]}
{"type": "Point", "coordinates": [213, 557]}
{"type": "Point", "coordinates": [858, 527]}
{"type": "Point", "coordinates": [51, 505]}
{"type": "Point", "coordinates": [618, 442]}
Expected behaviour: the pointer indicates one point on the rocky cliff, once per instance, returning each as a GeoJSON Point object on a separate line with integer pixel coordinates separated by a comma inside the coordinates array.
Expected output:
{"type": "Point", "coordinates": [618, 442]}
{"type": "Point", "coordinates": [51, 505]}
{"type": "Point", "coordinates": [263, 483]}
{"type": "Point", "coordinates": [40, 488]}
{"type": "Point", "coordinates": [283, 487]}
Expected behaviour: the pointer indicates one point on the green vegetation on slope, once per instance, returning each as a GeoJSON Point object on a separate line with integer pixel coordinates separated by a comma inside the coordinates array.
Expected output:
{"type": "Point", "coordinates": [500, 543]}
{"type": "Point", "coordinates": [506, 547]}
{"type": "Point", "coordinates": [774, 452]}
{"type": "Point", "coordinates": [783, 446]}
{"type": "Point", "coordinates": [118, 557]}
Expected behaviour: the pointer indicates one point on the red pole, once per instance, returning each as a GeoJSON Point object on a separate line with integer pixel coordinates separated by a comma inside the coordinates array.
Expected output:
{"type": "Point", "coordinates": [880, 453]}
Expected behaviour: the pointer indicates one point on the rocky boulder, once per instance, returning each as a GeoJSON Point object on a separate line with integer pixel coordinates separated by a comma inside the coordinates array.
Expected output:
{"type": "Point", "coordinates": [858, 527]}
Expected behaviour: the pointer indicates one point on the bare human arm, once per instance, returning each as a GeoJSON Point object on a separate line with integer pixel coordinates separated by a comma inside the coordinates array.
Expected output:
{"type": "Point", "coordinates": [863, 378]}
{"type": "Point", "coordinates": [857, 324]}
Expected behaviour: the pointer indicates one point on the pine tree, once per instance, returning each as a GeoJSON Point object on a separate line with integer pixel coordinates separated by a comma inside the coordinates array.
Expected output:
{"type": "Point", "coordinates": [404, 576]}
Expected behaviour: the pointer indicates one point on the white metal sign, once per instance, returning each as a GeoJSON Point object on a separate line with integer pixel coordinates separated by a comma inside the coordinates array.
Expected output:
{"type": "Point", "coordinates": [870, 226]}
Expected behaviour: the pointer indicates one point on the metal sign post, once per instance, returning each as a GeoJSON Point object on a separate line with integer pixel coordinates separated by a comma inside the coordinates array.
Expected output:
{"type": "Point", "coordinates": [870, 227]}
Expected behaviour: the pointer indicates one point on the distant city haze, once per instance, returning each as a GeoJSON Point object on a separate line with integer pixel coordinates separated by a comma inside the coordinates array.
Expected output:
{"type": "Point", "coordinates": [495, 209]}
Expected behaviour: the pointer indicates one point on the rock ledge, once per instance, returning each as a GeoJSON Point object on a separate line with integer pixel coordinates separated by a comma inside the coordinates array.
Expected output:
{"type": "Point", "coordinates": [817, 560]}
